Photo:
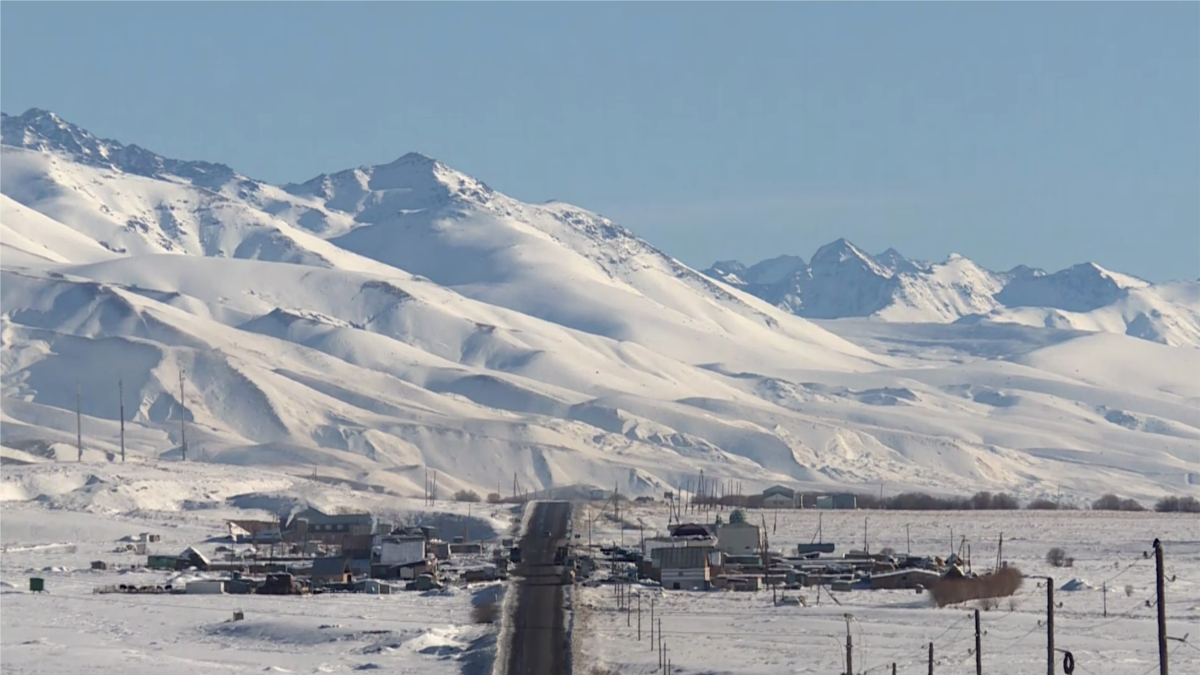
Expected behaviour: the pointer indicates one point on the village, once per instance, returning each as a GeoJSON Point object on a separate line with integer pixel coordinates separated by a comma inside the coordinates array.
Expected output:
{"type": "Point", "coordinates": [313, 552]}
{"type": "Point", "coordinates": [316, 552]}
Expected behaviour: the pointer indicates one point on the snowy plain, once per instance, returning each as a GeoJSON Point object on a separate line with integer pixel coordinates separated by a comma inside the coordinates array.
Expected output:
{"type": "Point", "coordinates": [86, 513]}
{"type": "Point", "coordinates": [723, 632]}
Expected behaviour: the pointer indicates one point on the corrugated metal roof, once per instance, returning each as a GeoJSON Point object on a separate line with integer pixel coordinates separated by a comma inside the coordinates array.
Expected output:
{"type": "Point", "coordinates": [685, 557]}
{"type": "Point", "coordinates": [330, 567]}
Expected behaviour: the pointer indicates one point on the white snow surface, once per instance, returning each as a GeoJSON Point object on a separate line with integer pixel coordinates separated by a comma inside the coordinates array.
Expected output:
{"type": "Point", "coordinates": [373, 323]}
{"type": "Point", "coordinates": [1107, 622]}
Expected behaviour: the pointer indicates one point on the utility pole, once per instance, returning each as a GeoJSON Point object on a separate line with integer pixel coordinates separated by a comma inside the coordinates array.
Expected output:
{"type": "Point", "coordinates": [930, 658]}
{"type": "Point", "coordinates": [1160, 591]}
{"type": "Point", "coordinates": [182, 418]}
{"type": "Point", "coordinates": [78, 420]}
{"type": "Point", "coordinates": [978, 645]}
{"type": "Point", "coordinates": [639, 610]}
{"type": "Point", "coordinates": [121, 396]}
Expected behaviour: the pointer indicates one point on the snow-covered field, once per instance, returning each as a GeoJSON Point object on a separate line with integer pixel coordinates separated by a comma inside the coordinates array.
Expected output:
{"type": "Point", "coordinates": [84, 512]}
{"type": "Point", "coordinates": [737, 632]}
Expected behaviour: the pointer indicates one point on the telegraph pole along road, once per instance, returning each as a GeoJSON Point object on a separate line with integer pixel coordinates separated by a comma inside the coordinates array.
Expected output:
{"type": "Point", "coordinates": [538, 641]}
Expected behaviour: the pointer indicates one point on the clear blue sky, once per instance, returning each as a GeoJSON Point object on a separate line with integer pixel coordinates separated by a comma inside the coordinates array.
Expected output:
{"type": "Point", "coordinates": [1008, 132]}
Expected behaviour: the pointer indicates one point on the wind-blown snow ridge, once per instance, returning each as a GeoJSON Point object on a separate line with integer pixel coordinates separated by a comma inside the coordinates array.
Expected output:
{"type": "Point", "coordinates": [369, 323]}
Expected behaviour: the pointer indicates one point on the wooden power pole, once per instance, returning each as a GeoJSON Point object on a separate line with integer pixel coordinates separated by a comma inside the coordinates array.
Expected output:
{"type": "Point", "coordinates": [1049, 626]}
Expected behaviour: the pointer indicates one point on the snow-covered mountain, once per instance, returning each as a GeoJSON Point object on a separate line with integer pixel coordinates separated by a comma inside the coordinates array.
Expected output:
{"type": "Point", "coordinates": [369, 323]}
{"type": "Point", "coordinates": [843, 281]}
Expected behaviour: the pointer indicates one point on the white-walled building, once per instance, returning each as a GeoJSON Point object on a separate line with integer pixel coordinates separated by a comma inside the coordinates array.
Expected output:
{"type": "Point", "coordinates": [738, 539]}
{"type": "Point", "coordinates": [401, 550]}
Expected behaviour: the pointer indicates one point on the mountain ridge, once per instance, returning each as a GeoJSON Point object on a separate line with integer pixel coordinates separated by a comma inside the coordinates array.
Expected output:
{"type": "Point", "coordinates": [374, 321]}
{"type": "Point", "coordinates": [842, 281]}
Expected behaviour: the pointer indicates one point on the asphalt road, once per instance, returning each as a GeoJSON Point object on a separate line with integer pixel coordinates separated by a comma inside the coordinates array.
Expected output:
{"type": "Point", "coordinates": [539, 644]}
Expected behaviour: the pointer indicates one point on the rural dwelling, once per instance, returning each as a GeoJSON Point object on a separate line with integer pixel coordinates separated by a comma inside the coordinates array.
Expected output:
{"type": "Point", "coordinates": [313, 525]}
{"type": "Point", "coordinates": [779, 497]}
{"type": "Point", "coordinates": [255, 531]}
{"type": "Point", "coordinates": [904, 580]}
{"type": "Point", "coordinates": [193, 558]}
{"type": "Point", "coordinates": [401, 549]}
{"type": "Point", "coordinates": [738, 538]}
{"type": "Point", "coordinates": [206, 587]}
{"type": "Point", "coordinates": [683, 569]}
{"type": "Point", "coordinates": [331, 571]}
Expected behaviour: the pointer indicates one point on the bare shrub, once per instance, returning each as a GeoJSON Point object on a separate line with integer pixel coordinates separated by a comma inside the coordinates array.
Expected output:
{"type": "Point", "coordinates": [997, 585]}
{"type": "Point", "coordinates": [485, 612]}
{"type": "Point", "coordinates": [1178, 505]}
{"type": "Point", "coordinates": [1057, 556]}
{"type": "Point", "coordinates": [1129, 590]}
{"type": "Point", "coordinates": [466, 496]}
{"type": "Point", "coordinates": [1013, 603]}
{"type": "Point", "coordinates": [887, 551]}
{"type": "Point", "coordinates": [1042, 505]}
{"type": "Point", "coordinates": [494, 498]}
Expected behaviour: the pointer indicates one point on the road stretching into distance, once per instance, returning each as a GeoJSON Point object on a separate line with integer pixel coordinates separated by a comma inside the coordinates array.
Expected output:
{"type": "Point", "coordinates": [538, 643]}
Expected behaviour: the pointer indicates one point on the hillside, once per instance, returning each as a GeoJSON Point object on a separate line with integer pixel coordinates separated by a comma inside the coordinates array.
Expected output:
{"type": "Point", "coordinates": [370, 323]}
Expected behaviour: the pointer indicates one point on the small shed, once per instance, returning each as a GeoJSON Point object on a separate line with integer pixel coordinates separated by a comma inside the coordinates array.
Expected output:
{"type": "Point", "coordinates": [331, 571]}
{"type": "Point", "coordinates": [374, 587]}
{"type": "Point", "coordinates": [162, 562]}
{"type": "Point", "coordinates": [206, 587]}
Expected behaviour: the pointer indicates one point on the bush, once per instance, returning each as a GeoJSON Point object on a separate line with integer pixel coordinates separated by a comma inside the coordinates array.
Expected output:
{"type": "Point", "coordinates": [466, 496]}
{"type": "Point", "coordinates": [737, 516]}
{"type": "Point", "coordinates": [494, 498]}
{"type": "Point", "coordinates": [1111, 502]}
{"type": "Point", "coordinates": [1057, 557]}
{"type": "Point", "coordinates": [1177, 505]}
{"type": "Point", "coordinates": [1042, 505]}
{"type": "Point", "coordinates": [997, 585]}
{"type": "Point", "coordinates": [1129, 590]}
{"type": "Point", "coordinates": [887, 551]}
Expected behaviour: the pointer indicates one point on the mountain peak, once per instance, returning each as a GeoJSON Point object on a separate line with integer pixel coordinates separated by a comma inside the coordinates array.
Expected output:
{"type": "Point", "coordinates": [44, 131]}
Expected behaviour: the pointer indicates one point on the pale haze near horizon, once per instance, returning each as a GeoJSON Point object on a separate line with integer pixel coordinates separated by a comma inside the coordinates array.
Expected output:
{"type": "Point", "coordinates": [1043, 134]}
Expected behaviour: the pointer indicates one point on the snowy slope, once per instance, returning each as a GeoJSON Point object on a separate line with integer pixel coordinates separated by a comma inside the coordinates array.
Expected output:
{"type": "Point", "coordinates": [371, 323]}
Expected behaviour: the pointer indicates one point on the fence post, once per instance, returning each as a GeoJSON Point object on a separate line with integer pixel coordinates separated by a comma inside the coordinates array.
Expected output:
{"type": "Point", "coordinates": [1049, 626]}
{"type": "Point", "coordinates": [930, 658]}
{"type": "Point", "coordinates": [1160, 591]}
{"type": "Point", "coordinates": [978, 642]}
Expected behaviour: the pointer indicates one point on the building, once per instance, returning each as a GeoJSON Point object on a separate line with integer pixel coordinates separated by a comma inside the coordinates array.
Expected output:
{"type": "Point", "coordinates": [255, 531]}
{"type": "Point", "coordinates": [206, 587]}
{"type": "Point", "coordinates": [738, 538]}
{"type": "Point", "coordinates": [331, 571]}
{"type": "Point", "coordinates": [779, 497]}
{"type": "Point", "coordinates": [838, 501]}
{"type": "Point", "coordinates": [683, 569]}
{"type": "Point", "coordinates": [904, 579]}
{"type": "Point", "coordinates": [402, 549]}
{"type": "Point", "coordinates": [314, 525]}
